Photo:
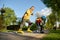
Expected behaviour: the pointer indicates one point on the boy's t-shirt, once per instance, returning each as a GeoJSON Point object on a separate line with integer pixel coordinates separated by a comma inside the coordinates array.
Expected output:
{"type": "Point", "coordinates": [38, 20]}
{"type": "Point", "coordinates": [27, 14]}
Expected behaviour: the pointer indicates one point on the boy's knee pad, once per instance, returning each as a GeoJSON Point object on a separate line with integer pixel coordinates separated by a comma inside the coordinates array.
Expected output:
{"type": "Point", "coordinates": [30, 23]}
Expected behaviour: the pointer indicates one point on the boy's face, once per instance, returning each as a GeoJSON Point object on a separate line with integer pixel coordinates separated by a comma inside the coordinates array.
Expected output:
{"type": "Point", "coordinates": [32, 8]}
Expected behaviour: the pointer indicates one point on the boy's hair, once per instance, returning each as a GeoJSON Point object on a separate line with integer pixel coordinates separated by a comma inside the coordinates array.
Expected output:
{"type": "Point", "coordinates": [31, 7]}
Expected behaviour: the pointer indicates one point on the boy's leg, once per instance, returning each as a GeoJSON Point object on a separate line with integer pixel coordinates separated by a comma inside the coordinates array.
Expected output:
{"type": "Point", "coordinates": [21, 25]}
{"type": "Point", "coordinates": [38, 27]}
{"type": "Point", "coordinates": [41, 29]}
{"type": "Point", "coordinates": [29, 26]}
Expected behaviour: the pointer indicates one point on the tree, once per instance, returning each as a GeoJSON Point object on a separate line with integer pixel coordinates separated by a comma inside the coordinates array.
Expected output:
{"type": "Point", "coordinates": [19, 20]}
{"type": "Point", "coordinates": [1, 23]}
{"type": "Point", "coordinates": [50, 21]}
{"type": "Point", "coordinates": [55, 5]}
{"type": "Point", "coordinates": [8, 17]}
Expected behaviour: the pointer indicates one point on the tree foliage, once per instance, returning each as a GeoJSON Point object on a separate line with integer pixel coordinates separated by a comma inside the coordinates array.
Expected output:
{"type": "Point", "coordinates": [8, 18]}
{"type": "Point", "coordinates": [55, 5]}
{"type": "Point", "coordinates": [50, 21]}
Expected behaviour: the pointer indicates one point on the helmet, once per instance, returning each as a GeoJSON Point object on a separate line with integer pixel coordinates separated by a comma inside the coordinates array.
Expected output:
{"type": "Point", "coordinates": [43, 18]}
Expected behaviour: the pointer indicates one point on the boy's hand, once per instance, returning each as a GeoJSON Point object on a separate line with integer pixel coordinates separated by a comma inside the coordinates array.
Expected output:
{"type": "Point", "coordinates": [32, 14]}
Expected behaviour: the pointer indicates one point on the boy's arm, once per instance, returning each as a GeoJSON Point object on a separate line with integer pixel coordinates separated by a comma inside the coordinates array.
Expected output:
{"type": "Point", "coordinates": [32, 14]}
{"type": "Point", "coordinates": [28, 11]}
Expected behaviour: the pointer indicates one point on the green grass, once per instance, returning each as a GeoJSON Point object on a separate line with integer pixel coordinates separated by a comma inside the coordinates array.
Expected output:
{"type": "Point", "coordinates": [52, 35]}
{"type": "Point", "coordinates": [5, 30]}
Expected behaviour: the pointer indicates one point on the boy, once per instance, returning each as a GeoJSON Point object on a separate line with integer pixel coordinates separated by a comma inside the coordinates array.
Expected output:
{"type": "Point", "coordinates": [26, 18]}
{"type": "Point", "coordinates": [38, 23]}
{"type": "Point", "coordinates": [43, 23]}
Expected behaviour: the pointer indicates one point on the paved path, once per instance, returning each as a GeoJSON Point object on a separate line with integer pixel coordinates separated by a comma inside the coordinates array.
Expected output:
{"type": "Point", "coordinates": [17, 36]}
{"type": "Point", "coordinates": [35, 35]}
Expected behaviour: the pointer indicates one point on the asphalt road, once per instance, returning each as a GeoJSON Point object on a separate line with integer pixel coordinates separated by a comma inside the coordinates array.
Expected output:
{"type": "Point", "coordinates": [15, 36]}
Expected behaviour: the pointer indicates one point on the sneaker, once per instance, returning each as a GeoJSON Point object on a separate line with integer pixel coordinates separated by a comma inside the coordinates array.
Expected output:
{"type": "Point", "coordinates": [20, 31]}
{"type": "Point", "coordinates": [29, 30]}
{"type": "Point", "coordinates": [42, 32]}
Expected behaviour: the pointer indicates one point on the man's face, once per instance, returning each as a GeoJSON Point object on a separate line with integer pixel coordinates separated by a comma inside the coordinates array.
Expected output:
{"type": "Point", "coordinates": [32, 8]}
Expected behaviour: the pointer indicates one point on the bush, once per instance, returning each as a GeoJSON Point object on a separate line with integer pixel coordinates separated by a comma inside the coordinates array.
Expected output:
{"type": "Point", "coordinates": [33, 27]}
{"type": "Point", "coordinates": [25, 28]}
{"type": "Point", "coordinates": [52, 35]}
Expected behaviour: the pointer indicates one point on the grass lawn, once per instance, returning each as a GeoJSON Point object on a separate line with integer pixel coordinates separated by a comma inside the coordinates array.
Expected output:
{"type": "Point", "coordinates": [52, 35]}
